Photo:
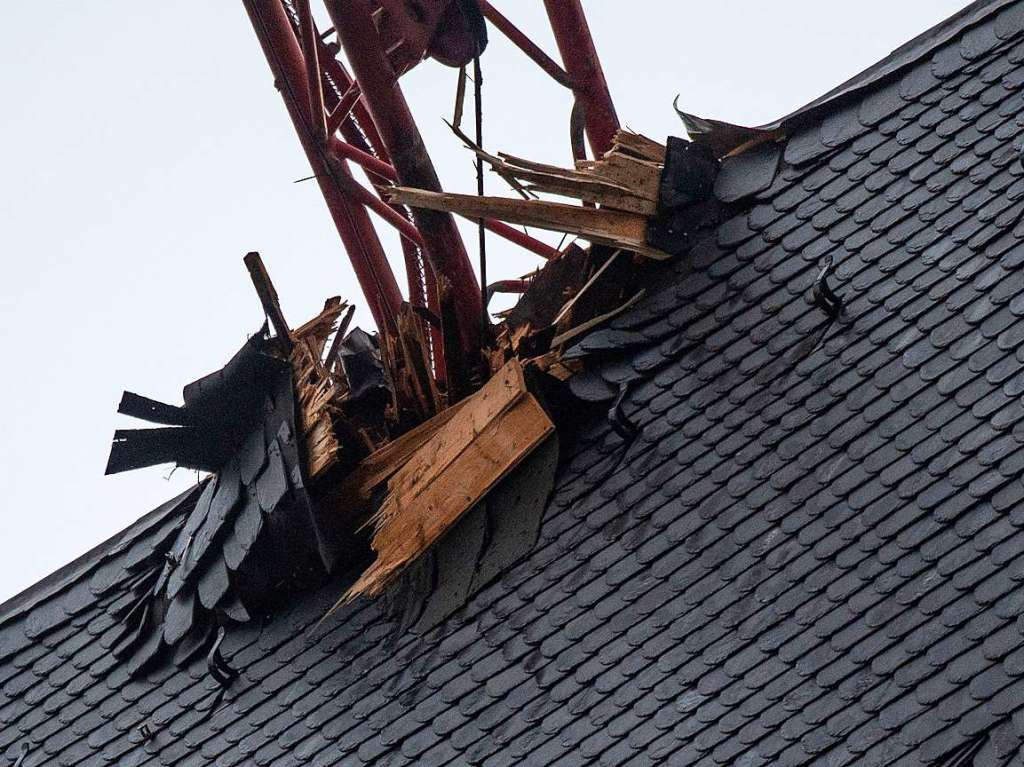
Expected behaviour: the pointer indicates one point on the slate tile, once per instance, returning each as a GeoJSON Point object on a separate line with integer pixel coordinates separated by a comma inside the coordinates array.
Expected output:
{"type": "Point", "coordinates": [940, 407]}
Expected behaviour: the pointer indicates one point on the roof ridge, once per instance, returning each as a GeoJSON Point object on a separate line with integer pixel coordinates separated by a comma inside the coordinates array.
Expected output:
{"type": "Point", "coordinates": [70, 573]}
{"type": "Point", "coordinates": [900, 59]}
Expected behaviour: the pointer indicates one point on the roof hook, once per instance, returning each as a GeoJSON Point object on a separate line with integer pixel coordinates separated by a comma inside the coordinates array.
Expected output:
{"type": "Point", "coordinates": [217, 665]}
{"type": "Point", "coordinates": [22, 755]}
{"type": "Point", "coordinates": [146, 732]}
{"type": "Point", "coordinates": [617, 418]}
{"type": "Point", "coordinates": [825, 298]}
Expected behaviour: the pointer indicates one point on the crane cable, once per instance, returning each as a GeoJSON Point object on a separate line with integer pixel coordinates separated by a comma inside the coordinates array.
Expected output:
{"type": "Point", "coordinates": [478, 82]}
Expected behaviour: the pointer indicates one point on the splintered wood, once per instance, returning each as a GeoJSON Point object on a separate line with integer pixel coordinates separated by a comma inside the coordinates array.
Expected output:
{"type": "Point", "coordinates": [448, 473]}
{"type": "Point", "coordinates": [406, 357]}
{"type": "Point", "coordinates": [624, 183]}
{"type": "Point", "coordinates": [316, 388]}
{"type": "Point", "coordinates": [379, 466]}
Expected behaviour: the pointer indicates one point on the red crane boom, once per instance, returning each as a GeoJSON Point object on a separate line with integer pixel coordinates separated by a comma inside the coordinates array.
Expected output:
{"type": "Point", "coordinates": [366, 120]}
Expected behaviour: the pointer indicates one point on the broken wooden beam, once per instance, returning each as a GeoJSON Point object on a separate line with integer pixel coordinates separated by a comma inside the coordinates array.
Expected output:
{"type": "Point", "coordinates": [451, 471]}
{"type": "Point", "coordinates": [268, 297]}
{"type": "Point", "coordinates": [617, 229]}
{"type": "Point", "coordinates": [383, 463]}
{"type": "Point", "coordinates": [316, 388]}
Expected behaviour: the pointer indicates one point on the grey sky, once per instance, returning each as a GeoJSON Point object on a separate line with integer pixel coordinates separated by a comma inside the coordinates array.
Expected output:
{"type": "Point", "coordinates": [145, 151]}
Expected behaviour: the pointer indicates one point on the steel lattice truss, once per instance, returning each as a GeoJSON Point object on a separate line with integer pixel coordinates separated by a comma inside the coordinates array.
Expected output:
{"type": "Point", "coordinates": [361, 117]}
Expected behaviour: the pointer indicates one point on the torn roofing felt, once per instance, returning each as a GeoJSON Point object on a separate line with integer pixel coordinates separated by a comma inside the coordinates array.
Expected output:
{"type": "Point", "coordinates": [811, 552]}
{"type": "Point", "coordinates": [246, 530]}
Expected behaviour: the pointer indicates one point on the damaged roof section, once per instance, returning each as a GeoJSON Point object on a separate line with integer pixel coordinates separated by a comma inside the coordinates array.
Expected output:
{"type": "Point", "coordinates": [247, 529]}
{"type": "Point", "coordinates": [492, 432]}
{"type": "Point", "coordinates": [331, 449]}
{"type": "Point", "coordinates": [625, 183]}
{"type": "Point", "coordinates": [786, 529]}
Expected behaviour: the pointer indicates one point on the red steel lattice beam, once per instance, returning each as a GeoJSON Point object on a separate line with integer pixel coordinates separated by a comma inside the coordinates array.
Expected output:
{"type": "Point", "coordinates": [381, 136]}
{"type": "Point", "coordinates": [387, 106]}
{"type": "Point", "coordinates": [575, 44]}
{"type": "Point", "coordinates": [276, 37]}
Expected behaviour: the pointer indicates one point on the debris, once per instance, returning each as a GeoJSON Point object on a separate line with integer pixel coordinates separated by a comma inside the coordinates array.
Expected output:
{"type": "Point", "coordinates": [268, 297]}
{"type": "Point", "coordinates": [451, 471]}
{"type": "Point", "coordinates": [625, 183]}
{"type": "Point", "coordinates": [724, 139]}
{"type": "Point", "coordinates": [388, 445]}
{"type": "Point", "coordinates": [317, 389]}
{"type": "Point", "coordinates": [379, 466]}
{"type": "Point", "coordinates": [593, 322]}
{"type": "Point", "coordinates": [572, 301]}
{"type": "Point", "coordinates": [213, 421]}
{"type": "Point", "coordinates": [825, 298]}
{"type": "Point", "coordinates": [23, 752]}
{"type": "Point", "coordinates": [605, 226]}
{"type": "Point", "coordinates": [406, 356]}
{"type": "Point", "coordinates": [216, 664]}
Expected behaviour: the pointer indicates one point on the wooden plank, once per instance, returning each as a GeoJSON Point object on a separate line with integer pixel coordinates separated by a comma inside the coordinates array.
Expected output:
{"type": "Point", "coordinates": [640, 145]}
{"type": "Point", "coordinates": [496, 396]}
{"type": "Point", "coordinates": [588, 183]}
{"type": "Point", "coordinates": [586, 286]}
{"type": "Point", "coordinates": [380, 465]}
{"type": "Point", "coordinates": [315, 387]}
{"type": "Point", "coordinates": [593, 322]}
{"type": "Point", "coordinates": [592, 191]}
{"type": "Point", "coordinates": [322, 325]}
{"type": "Point", "coordinates": [339, 338]}
{"type": "Point", "coordinates": [641, 177]}
{"type": "Point", "coordinates": [604, 226]}
{"type": "Point", "coordinates": [451, 473]}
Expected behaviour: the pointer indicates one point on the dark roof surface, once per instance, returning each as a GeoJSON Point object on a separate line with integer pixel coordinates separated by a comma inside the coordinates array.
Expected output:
{"type": "Point", "coordinates": [812, 554]}
{"type": "Point", "coordinates": [899, 60]}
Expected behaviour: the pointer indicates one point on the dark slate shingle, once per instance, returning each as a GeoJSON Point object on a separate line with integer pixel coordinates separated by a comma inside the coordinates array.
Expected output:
{"type": "Point", "coordinates": [812, 554]}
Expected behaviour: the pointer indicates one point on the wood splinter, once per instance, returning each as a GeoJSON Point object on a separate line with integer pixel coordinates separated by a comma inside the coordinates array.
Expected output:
{"type": "Point", "coordinates": [449, 471]}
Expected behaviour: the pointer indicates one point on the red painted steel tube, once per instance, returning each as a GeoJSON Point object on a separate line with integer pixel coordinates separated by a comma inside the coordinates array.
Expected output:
{"type": "Point", "coordinates": [522, 239]}
{"type": "Point", "coordinates": [526, 45]}
{"type": "Point", "coordinates": [274, 31]}
{"type": "Point", "coordinates": [364, 136]}
{"type": "Point", "coordinates": [309, 41]}
{"type": "Point", "coordinates": [387, 106]}
{"type": "Point", "coordinates": [343, 109]}
{"type": "Point", "coordinates": [404, 226]}
{"type": "Point", "coordinates": [363, 159]}
{"type": "Point", "coordinates": [572, 33]}
{"type": "Point", "coordinates": [508, 286]}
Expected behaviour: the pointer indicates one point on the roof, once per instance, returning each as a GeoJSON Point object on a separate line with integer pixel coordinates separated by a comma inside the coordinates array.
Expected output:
{"type": "Point", "coordinates": [907, 55]}
{"type": "Point", "coordinates": [811, 553]}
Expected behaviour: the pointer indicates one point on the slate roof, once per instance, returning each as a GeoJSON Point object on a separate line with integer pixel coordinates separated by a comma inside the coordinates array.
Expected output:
{"type": "Point", "coordinates": [811, 554]}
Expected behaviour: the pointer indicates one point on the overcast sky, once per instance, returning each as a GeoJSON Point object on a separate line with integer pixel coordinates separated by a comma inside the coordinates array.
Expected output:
{"type": "Point", "coordinates": [145, 151]}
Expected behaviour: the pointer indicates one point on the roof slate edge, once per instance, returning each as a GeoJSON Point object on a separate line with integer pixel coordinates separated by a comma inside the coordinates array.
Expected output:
{"type": "Point", "coordinates": [72, 572]}
{"type": "Point", "coordinates": [901, 59]}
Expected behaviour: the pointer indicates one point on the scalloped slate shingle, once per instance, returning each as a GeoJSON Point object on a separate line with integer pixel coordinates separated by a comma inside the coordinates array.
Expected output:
{"type": "Point", "coordinates": [812, 554]}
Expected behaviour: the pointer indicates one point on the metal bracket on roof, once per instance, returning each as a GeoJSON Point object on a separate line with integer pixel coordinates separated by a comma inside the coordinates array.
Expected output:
{"type": "Point", "coordinates": [963, 756]}
{"type": "Point", "coordinates": [617, 418]}
{"type": "Point", "coordinates": [23, 753]}
{"type": "Point", "coordinates": [825, 298]}
{"type": "Point", "coordinates": [217, 665]}
{"type": "Point", "coordinates": [146, 732]}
